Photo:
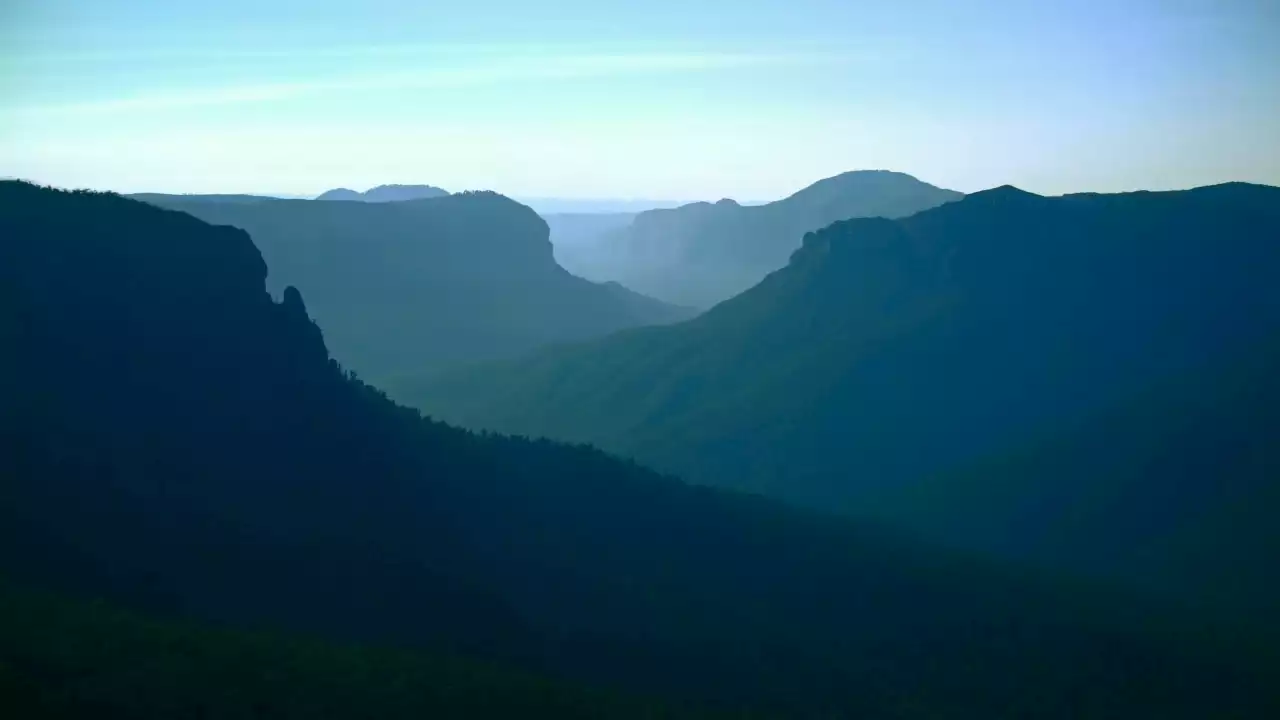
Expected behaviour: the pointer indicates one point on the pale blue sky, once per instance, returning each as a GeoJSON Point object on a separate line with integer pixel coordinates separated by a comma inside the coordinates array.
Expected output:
{"type": "Point", "coordinates": [687, 99]}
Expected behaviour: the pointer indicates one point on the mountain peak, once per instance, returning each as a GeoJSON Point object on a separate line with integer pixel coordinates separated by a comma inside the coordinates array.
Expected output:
{"type": "Point", "coordinates": [857, 179]}
{"type": "Point", "coordinates": [385, 193]}
{"type": "Point", "coordinates": [339, 194]}
{"type": "Point", "coordinates": [1003, 193]}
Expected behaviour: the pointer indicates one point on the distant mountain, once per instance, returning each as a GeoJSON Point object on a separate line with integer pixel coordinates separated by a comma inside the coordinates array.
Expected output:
{"type": "Point", "coordinates": [385, 193]}
{"type": "Point", "coordinates": [411, 287]}
{"type": "Point", "coordinates": [174, 441]}
{"type": "Point", "coordinates": [703, 253]}
{"type": "Point", "coordinates": [895, 352]}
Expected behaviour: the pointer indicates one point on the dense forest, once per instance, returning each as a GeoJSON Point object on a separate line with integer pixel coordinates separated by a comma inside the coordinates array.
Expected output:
{"type": "Point", "coordinates": [1086, 380]}
{"type": "Point", "coordinates": [702, 253]}
{"type": "Point", "coordinates": [415, 286]}
{"type": "Point", "coordinates": [180, 445]}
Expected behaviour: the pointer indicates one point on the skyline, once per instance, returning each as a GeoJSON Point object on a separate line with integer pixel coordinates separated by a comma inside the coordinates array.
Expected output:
{"type": "Point", "coordinates": [745, 100]}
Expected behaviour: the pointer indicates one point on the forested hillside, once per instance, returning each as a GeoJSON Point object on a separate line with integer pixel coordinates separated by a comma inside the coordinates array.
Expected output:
{"type": "Point", "coordinates": [890, 355]}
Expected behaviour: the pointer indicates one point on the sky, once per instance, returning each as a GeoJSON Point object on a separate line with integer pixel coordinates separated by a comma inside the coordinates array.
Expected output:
{"type": "Point", "coordinates": [671, 99]}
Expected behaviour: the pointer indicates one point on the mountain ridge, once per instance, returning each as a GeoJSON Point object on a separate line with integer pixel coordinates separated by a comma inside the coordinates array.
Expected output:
{"type": "Point", "coordinates": [889, 351]}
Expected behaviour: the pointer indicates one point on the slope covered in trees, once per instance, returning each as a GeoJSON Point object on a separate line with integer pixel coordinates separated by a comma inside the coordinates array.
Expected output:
{"type": "Point", "coordinates": [702, 253]}
{"type": "Point", "coordinates": [175, 440]}
{"type": "Point", "coordinates": [888, 352]}
{"type": "Point", "coordinates": [411, 287]}
{"type": "Point", "coordinates": [1174, 486]}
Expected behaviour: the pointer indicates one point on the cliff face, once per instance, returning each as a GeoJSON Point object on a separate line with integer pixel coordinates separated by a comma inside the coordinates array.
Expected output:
{"type": "Point", "coordinates": [406, 288]}
{"type": "Point", "coordinates": [194, 445]}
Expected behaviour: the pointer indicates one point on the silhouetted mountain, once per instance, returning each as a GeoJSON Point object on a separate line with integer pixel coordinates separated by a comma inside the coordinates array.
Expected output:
{"type": "Point", "coordinates": [385, 193]}
{"type": "Point", "coordinates": [889, 352]}
{"type": "Point", "coordinates": [341, 194]}
{"type": "Point", "coordinates": [174, 439]}
{"type": "Point", "coordinates": [703, 253]}
{"type": "Point", "coordinates": [410, 287]}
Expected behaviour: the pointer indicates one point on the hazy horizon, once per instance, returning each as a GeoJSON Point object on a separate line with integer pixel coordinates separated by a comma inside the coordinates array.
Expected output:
{"type": "Point", "coordinates": [745, 100]}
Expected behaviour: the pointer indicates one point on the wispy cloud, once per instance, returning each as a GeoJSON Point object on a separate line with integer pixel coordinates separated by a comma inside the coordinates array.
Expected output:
{"type": "Point", "coordinates": [164, 54]}
{"type": "Point", "coordinates": [508, 69]}
{"type": "Point", "coordinates": [383, 50]}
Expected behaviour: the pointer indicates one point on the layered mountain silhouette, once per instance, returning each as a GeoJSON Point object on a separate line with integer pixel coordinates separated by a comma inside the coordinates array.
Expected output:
{"type": "Point", "coordinates": [703, 253]}
{"type": "Point", "coordinates": [890, 354]}
{"type": "Point", "coordinates": [176, 441]}
{"type": "Point", "coordinates": [385, 193]}
{"type": "Point", "coordinates": [414, 286]}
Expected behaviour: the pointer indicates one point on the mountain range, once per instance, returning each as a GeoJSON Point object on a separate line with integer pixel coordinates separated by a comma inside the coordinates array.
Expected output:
{"type": "Point", "coordinates": [177, 442]}
{"type": "Point", "coordinates": [402, 288]}
{"type": "Point", "coordinates": [1080, 382]}
{"type": "Point", "coordinates": [702, 253]}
